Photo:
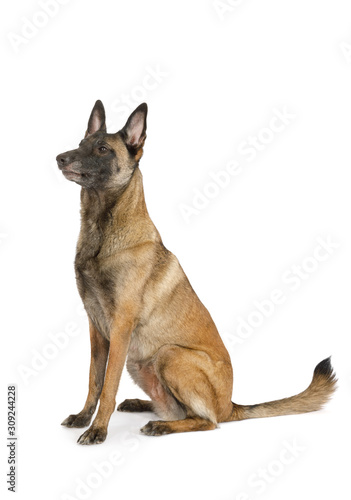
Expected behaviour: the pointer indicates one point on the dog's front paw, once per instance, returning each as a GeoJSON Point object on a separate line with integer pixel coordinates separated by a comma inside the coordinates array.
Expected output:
{"type": "Point", "coordinates": [79, 420]}
{"type": "Point", "coordinates": [156, 428]}
{"type": "Point", "coordinates": [94, 435]}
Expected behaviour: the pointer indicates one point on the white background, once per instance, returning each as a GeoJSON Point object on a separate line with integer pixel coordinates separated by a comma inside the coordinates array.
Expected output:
{"type": "Point", "coordinates": [220, 80]}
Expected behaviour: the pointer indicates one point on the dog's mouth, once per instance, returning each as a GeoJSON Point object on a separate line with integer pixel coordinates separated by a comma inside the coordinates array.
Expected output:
{"type": "Point", "coordinates": [71, 171]}
{"type": "Point", "coordinates": [71, 174]}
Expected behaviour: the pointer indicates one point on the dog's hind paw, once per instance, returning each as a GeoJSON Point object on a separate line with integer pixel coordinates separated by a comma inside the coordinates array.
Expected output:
{"type": "Point", "coordinates": [156, 428]}
{"type": "Point", "coordinates": [135, 405]}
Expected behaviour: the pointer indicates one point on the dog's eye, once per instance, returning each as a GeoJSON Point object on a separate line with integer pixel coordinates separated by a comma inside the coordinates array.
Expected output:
{"type": "Point", "coordinates": [103, 149]}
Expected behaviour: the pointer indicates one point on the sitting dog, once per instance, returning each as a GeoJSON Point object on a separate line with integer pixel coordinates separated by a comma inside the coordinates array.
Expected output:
{"type": "Point", "coordinates": [141, 306]}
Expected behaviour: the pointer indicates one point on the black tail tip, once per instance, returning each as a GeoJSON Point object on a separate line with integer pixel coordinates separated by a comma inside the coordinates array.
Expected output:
{"type": "Point", "coordinates": [325, 368]}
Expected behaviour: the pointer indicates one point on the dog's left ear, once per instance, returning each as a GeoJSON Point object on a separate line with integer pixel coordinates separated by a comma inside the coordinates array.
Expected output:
{"type": "Point", "coordinates": [97, 119]}
{"type": "Point", "coordinates": [134, 131]}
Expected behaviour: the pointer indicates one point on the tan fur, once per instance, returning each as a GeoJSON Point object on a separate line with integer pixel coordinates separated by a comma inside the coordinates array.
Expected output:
{"type": "Point", "coordinates": [143, 309]}
{"type": "Point", "coordinates": [312, 399]}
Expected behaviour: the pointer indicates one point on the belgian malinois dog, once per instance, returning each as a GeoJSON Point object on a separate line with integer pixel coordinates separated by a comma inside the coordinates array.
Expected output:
{"type": "Point", "coordinates": [141, 306]}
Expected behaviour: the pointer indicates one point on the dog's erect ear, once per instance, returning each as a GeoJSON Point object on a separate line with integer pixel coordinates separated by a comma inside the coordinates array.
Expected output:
{"type": "Point", "coordinates": [97, 119]}
{"type": "Point", "coordinates": [134, 131]}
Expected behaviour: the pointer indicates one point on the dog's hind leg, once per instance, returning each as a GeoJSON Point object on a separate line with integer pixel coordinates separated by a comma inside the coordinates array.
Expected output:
{"type": "Point", "coordinates": [199, 384]}
{"type": "Point", "coordinates": [160, 427]}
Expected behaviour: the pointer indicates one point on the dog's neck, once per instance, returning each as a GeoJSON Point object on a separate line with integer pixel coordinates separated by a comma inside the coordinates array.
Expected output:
{"type": "Point", "coordinates": [119, 215]}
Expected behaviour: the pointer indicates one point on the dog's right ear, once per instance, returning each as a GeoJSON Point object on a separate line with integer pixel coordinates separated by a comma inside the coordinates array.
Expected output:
{"type": "Point", "coordinates": [97, 119]}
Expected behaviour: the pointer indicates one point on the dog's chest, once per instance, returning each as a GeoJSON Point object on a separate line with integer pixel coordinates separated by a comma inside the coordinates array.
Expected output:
{"type": "Point", "coordinates": [96, 286]}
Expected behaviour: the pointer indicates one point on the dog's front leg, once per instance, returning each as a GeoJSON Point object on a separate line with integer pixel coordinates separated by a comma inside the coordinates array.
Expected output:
{"type": "Point", "coordinates": [99, 355]}
{"type": "Point", "coordinates": [119, 342]}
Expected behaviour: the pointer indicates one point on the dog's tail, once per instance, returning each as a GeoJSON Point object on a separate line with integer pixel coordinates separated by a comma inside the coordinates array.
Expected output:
{"type": "Point", "coordinates": [312, 399]}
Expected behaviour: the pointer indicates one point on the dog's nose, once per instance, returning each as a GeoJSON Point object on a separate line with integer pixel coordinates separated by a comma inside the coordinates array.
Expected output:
{"type": "Point", "coordinates": [62, 160]}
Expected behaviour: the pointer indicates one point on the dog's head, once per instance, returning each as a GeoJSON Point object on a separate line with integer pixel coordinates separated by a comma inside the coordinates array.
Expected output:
{"type": "Point", "coordinates": [103, 160]}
